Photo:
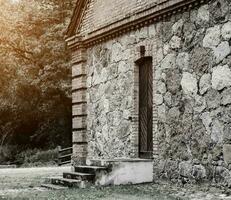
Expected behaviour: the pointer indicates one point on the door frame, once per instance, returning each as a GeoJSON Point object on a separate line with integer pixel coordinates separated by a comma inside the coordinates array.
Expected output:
{"type": "Point", "coordinates": [147, 50]}
{"type": "Point", "coordinates": [147, 154]}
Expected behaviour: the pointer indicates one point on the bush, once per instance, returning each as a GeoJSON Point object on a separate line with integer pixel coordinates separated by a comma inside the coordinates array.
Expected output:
{"type": "Point", "coordinates": [8, 154]}
{"type": "Point", "coordinates": [36, 157]}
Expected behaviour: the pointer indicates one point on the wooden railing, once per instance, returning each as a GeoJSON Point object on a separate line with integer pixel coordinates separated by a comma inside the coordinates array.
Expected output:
{"type": "Point", "coordinates": [64, 155]}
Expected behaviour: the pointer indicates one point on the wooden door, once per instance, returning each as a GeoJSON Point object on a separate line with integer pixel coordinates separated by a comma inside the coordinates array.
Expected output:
{"type": "Point", "coordinates": [145, 108]}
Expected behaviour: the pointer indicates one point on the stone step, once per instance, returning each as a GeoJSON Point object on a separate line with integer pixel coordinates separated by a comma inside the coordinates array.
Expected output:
{"type": "Point", "coordinates": [66, 182]}
{"type": "Point", "coordinates": [53, 187]}
{"type": "Point", "coordinates": [79, 176]}
{"type": "Point", "coordinates": [90, 169]}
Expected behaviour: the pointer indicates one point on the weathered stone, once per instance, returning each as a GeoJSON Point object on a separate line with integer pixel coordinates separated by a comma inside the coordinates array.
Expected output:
{"type": "Point", "coordinates": [173, 113]}
{"type": "Point", "coordinates": [189, 30]}
{"type": "Point", "coordinates": [142, 34]}
{"type": "Point", "coordinates": [128, 40]}
{"type": "Point", "coordinates": [166, 49]}
{"type": "Point", "coordinates": [123, 128]}
{"type": "Point", "coordinates": [177, 98]}
{"type": "Point", "coordinates": [205, 83]}
{"type": "Point", "coordinates": [168, 99]}
{"type": "Point", "coordinates": [203, 15]}
{"type": "Point", "coordinates": [161, 87]}
{"type": "Point", "coordinates": [175, 42]}
{"type": "Point", "coordinates": [169, 61]}
{"type": "Point", "coordinates": [207, 121]}
{"type": "Point", "coordinates": [226, 97]}
{"type": "Point", "coordinates": [158, 73]}
{"type": "Point", "coordinates": [173, 78]}
{"type": "Point", "coordinates": [167, 31]}
{"type": "Point", "coordinates": [221, 77]}
{"type": "Point", "coordinates": [159, 99]}
{"type": "Point", "coordinates": [193, 15]}
{"type": "Point", "coordinates": [201, 60]}
{"type": "Point", "coordinates": [226, 31]}
{"type": "Point", "coordinates": [122, 67]}
{"type": "Point", "coordinates": [213, 98]}
{"type": "Point", "coordinates": [178, 27]}
{"type": "Point", "coordinates": [219, 10]}
{"type": "Point", "coordinates": [221, 51]}
{"type": "Point", "coordinates": [152, 31]}
{"type": "Point", "coordinates": [162, 113]}
{"type": "Point", "coordinates": [182, 61]}
{"type": "Point", "coordinates": [189, 84]}
{"type": "Point", "coordinates": [116, 52]}
{"type": "Point", "coordinates": [217, 131]}
{"type": "Point", "coordinates": [227, 134]}
{"type": "Point", "coordinates": [200, 104]}
{"type": "Point", "coordinates": [212, 37]}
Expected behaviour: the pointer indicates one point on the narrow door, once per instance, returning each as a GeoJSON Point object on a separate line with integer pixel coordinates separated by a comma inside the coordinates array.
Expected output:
{"type": "Point", "coordinates": [145, 108]}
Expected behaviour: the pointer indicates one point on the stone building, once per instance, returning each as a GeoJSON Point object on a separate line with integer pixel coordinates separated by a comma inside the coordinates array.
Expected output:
{"type": "Point", "coordinates": [152, 80]}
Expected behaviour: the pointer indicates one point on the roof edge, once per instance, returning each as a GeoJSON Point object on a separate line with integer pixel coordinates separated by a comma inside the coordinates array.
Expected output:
{"type": "Point", "coordinates": [76, 17]}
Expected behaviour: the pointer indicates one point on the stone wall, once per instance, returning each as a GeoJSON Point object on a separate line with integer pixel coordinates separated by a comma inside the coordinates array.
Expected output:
{"type": "Point", "coordinates": [109, 100]}
{"type": "Point", "coordinates": [194, 79]}
{"type": "Point", "coordinates": [193, 94]}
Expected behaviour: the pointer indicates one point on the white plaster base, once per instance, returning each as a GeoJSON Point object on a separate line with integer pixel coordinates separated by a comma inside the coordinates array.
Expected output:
{"type": "Point", "coordinates": [124, 171]}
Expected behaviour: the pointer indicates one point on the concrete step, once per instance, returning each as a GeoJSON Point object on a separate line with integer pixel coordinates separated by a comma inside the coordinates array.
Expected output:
{"type": "Point", "coordinates": [90, 169]}
{"type": "Point", "coordinates": [110, 162]}
{"type": "Point", "coordinates": [79, 176]}
{"type": "Point", "coordinates": [66, 182]}
{"type": "Point", "coordinates": [53, 187]}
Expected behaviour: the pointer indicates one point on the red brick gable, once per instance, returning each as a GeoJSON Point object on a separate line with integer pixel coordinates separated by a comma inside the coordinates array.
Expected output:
{"type": "Point", "coordinates": [91, 15]}
{"type": "Point", "coordinates": [95, 21]}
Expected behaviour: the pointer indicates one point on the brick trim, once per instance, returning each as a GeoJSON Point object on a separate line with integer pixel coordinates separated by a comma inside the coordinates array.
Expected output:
{"type": "Point", "coordinates": [79, 106]}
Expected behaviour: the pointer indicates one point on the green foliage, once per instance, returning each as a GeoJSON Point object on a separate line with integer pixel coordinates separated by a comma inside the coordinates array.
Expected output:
{"type": "Point", "coordinates": [27, 157]}
{"type": "Point", "coordinates": [37, 157]}
{"type": "Point", "coordinates": [35, 83]}
{"type": "Point", "coordinates": [8, 154]}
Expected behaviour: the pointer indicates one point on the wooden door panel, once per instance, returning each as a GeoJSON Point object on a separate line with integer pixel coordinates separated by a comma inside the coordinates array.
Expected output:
{"type": "Point", "coordinates": [145, 108]}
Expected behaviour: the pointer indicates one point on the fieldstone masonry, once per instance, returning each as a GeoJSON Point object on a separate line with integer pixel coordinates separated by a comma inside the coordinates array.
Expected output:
{"type": "Point", "coordinates": [191, 54]}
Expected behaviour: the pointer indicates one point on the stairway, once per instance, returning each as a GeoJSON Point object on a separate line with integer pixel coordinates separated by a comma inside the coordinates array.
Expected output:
{"type": "Point", "coordinates": [104, 172]}
{"type": "Point", "coordinates": [82, 177]}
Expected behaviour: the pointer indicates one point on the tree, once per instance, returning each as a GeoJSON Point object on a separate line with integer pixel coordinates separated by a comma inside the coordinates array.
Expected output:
{"type": "Point", "coordinates": [35, 73]}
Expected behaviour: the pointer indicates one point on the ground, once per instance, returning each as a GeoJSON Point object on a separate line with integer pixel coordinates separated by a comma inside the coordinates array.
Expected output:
{"type": "Point", "coordinates": [24, 183]}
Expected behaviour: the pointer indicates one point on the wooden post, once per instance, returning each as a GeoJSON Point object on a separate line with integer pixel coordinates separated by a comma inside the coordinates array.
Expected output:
{"type": "Point", "coordinates": [59, 152]}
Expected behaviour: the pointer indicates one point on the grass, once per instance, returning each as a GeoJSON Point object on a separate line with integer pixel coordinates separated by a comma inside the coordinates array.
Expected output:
{"type": "Point", "coordinates": [23, 184]}
{"type": "Point", "coordinates": [106, 193]}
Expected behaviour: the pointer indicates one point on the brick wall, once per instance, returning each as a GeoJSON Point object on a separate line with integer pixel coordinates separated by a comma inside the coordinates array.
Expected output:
{"type": "Point", "coordinates": [103, 13]}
